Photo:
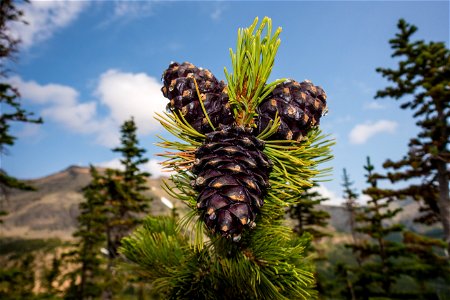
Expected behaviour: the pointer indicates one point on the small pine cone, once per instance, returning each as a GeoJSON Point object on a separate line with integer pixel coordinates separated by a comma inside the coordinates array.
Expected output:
{"type": "Point", "coordinates": [232, 179]}
{"type": "Point", "coordinates": [179, 87]}
{"type": "Point", "coordinates": [300, 107]}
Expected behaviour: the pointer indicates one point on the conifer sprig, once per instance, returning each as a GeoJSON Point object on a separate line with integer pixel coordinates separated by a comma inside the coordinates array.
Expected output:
{"type": "Point", "coordinates": [237, 260]}
{"type": "Point", "coordinates": [183, 157]}
{"type": "Point", "coordinates": [295, 163]}
{"type": "Point", "coordinates": [270, 266]}
{"type": "Point", "coordinates": [252, 64]}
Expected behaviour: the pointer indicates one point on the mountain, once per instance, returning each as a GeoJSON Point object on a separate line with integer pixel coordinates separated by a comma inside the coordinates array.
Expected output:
{"type": "Point", "coordinates": [51, 211]}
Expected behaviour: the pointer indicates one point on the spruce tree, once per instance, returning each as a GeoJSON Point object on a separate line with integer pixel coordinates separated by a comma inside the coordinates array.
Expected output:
{"type": "Point", "coordinates": [50, 276]}
{"type": "Point", "coordinates": [125, 201]}
{"type": "Point", "coordinates": [125, 188]}
{"type": "Point", "coordinates": [421, 82]}
{"type": "Point", "coordinates": [308, 216]}
{"type": "Point", "coordinates": [428, 265]}
{"type": "Point", "coordinates": [344, 272]}
{"type": "Point", "coordinates": [18, 280]}
{"type": "Point", "coordinates": [379, 269]}
{"type": "Point", "coordinates": [87, 279]}
{"type": "Point", "coordinates": [310, 219]}
{"type": "Point", "coordinates": [10, 107]}
{"type": "Point", "coordinates": [350, 196]}
{"type": "Point", "coordinates": [243, 150]}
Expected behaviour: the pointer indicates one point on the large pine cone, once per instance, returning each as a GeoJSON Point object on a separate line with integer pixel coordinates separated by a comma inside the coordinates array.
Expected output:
{"type": "Point", "coordinates": [179, 88]}
{"type": "Point", "coordinates": [232, 179]}
{"type": "Point", "coordinates": [299, 105]}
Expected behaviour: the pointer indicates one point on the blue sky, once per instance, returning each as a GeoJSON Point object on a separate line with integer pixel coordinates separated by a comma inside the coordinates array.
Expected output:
{"type": "Point", "coordinates": [85, 67]}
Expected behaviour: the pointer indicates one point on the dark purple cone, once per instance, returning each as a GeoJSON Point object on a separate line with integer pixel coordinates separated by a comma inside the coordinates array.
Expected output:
{"type": "Point", "coordinates": [179, 88]}
{"type": "Point", "coordinates": [299, 105]}
{"type": "Point", "coordinates": [232, 179]}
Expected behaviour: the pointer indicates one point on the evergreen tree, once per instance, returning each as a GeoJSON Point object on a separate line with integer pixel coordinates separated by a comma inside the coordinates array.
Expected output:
{"type": "Point", "coordinates": [50, 276]}
{"type": "Point", "coordinates": [114, 203]}
{"type": "Point", "coordinates": [342, 283]}
{"type": "Point", "coordinates": [17, 281]}
{"type": "Point", "coordinates": [125, 188]}
{"type": "Point", "coordinates": [10, 106]}
{"type": "Point", "coordinates": [220, 147]}
{"type": "Point", "coordinates": [350, 197]}
{"type": "Point", "coordinates": [428, 265]}
{"type": "Point", "coordinates": [312, 220]}
{"type": "Point", "coordinates": [125, 202]}
{"type": "Point", "coordinates": [308, 216]}
{"type": "Point", "coordinates": [88, 276]}
{"type": "Point", "coordinates": [423, 74]}
{"type": "Point", "coordinates": [379, 269]}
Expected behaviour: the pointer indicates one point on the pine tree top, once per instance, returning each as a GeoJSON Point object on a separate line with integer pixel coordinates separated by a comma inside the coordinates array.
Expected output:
{"type": "Point", "coordinates": [252, 64]}
{"type": "Point", "coordinates": [187, 260]}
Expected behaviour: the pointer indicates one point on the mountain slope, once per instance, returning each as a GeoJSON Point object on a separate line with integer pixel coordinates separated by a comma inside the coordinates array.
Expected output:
{"type": "Point", "coordinates": [51, 211]}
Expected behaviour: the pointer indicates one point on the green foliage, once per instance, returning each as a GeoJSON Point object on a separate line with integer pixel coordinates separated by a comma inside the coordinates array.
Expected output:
{"type": "Point", "coordinates": [20, 247]}
{"type": "Point", "coordinates": [309, 218]}
{"type": "Point", "coordinates": [428, 265]}
{"type": "Point", "coordinates": [351, 204]}
{"type": "Point", "coordinates": [17, 281]}
{"type": "Point", "coordinates": [421, 82]}
{"type": "Point", "coordinates": [124, 189]}
{"type": "Point", "coordinates": [252, 64]}
{"type": "Point", "coordinates": [19, 273]}
{"type": "Point", "coordinates": [268, 266]}
{"type": "Point", "coordinates": [378, 270]}
{"type": "Point", "coordinates": [187, 261]}
{"type": "Point", "coordinates": [11, 109]}
{"type": "Point", "coordinates": [51, 274]}
{"type": "Point", "coordinates": [113, 201]}
{"type": "Point", "coordinates": [88, 275]}
{"type": "Point", "coordinates": [381, 267]}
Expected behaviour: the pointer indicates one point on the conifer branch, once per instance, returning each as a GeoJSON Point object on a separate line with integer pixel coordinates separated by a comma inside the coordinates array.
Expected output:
{"type": "Point", "coordinates": [252, 64]}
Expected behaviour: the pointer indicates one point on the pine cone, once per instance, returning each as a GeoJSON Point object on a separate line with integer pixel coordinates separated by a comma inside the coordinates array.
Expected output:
{"type": "Point", "coordinates": [179, 87]}
{"type": "Point", "coordinates": [299, 105]}
{"type": "Point", "coordinates": [232, 179]}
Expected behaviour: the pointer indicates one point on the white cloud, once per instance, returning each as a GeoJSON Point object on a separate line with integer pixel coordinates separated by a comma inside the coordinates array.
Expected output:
{"type": "Point", "coordinates": [44, 18]}
{"type": "Point", "coordinates": [374, 105]}
{"type": "Point", "coordinates": [218, 10]}
{"type": "Point", "coordinates": [123, 94]}
{"type": "Point", "coordinates": [45, 94]}
{"type": "Point", "coordinates": [129, 94]}
{"type": "Point", "coordinates": [153, 166]}
{"type": "Point", "coordinates": [111, 164]}
{"type": "Point", "coordinates": [362, 132]}
{"type": "Point", "coordinates": [60, 104]}
{"type": "Point", "coordinates": [132, 9]}
{"type": "Point", "coordinates": [124, 11]}
{"type": "Point", "coordinates": [333, 199]}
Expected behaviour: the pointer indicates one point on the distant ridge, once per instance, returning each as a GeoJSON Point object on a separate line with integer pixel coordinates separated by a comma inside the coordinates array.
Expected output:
{"type": "Point", "coordinates": [51, 211]}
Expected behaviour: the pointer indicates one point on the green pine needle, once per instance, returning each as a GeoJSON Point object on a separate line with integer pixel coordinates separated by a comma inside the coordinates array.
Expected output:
{"type": "Point", "coordinates": [252, 64]}
{"type": "Point", "coordinates": [268, 262]}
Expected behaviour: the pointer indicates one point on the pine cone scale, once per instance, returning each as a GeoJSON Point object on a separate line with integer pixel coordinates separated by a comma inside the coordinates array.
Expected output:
{"type": "Point", "coordinates": [180, 88]}
{"type": "Point", "coordinates": [299, 105]}
{"type": "Point", "coordinates": [234, 179]}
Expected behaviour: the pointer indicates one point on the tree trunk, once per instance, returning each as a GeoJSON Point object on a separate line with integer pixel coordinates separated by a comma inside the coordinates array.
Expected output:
{"type": "Point", "coordinates": [444, 201]}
